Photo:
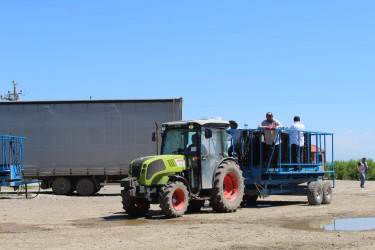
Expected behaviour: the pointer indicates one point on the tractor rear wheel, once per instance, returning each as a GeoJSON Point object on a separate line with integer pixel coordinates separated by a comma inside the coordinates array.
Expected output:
{"type": "Point", "coordinates": [327, 193]}
{"type": "Point", "coordinates": [135, 207]}
{"type": "Point", "coordinates": [315, 193]}
{"type": "Point", "coordinates": [174, 199]}
{"type": "Point", "coordinates": [228, 190]}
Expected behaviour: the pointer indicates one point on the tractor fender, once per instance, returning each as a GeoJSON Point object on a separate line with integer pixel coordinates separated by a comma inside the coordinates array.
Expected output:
{"type": "Point", "coordinates": [221, 161]}
{"type": "Point", "coordinates": [183, 180]}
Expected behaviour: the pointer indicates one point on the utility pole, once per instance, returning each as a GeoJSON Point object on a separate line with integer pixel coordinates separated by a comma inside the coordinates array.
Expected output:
{"type": "Point", "coordinates": [12, 97]}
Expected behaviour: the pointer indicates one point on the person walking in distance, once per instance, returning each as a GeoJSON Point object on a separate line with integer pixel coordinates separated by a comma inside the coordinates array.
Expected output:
{"type": "Point", "coordinates": [362, 169]}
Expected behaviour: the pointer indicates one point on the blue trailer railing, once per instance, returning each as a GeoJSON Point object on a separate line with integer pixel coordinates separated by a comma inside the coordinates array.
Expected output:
{"type": "Point", "coordinates": [11, 165]}
{"type": "Point", "coordinates": [271, 169]}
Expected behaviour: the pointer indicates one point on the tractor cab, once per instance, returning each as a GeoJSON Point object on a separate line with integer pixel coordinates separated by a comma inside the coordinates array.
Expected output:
{"type": "Point", "coordinates": [203, 142]}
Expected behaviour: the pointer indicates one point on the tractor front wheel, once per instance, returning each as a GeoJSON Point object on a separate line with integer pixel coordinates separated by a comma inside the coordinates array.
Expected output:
{"type": "Point", "coordinates": [174, 199]}
{"type": "Point", "coordinates": [135, 207]}
{"type": "Point", "coordinates": [228, 190]}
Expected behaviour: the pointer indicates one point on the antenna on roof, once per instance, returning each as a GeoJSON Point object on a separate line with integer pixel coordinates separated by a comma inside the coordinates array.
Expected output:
{"type": "Point", "coordinates": [12, 97]}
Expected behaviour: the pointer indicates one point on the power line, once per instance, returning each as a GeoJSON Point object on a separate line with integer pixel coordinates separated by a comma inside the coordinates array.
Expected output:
{"type": "Point", "coordinates": [218, 30]}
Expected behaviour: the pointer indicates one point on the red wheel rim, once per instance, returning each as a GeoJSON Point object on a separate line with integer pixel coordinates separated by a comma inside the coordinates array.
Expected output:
{"type": "Point", "coordinates": [230, 186]}
{"type": "Point", "coordinates": [178, 199]}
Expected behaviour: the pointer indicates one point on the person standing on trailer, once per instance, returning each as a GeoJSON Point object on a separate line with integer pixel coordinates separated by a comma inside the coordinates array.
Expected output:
{"type": "Point", "coordinates": [297, 141]}
{"type": "Point", "coordinates": [270, 135]}
{"type": "Point", "coordinates": [362, 169]}
{"type": "Point", "coordinates": [237, 141]}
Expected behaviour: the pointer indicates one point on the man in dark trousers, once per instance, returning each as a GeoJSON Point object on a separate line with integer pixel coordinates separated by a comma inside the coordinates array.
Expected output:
{"type": "Point", "coordinates": [297, 141]}
{"type": "Point", "coordinates": [271, 137]}
{"type": "Point", "coordinates": [362, 169]}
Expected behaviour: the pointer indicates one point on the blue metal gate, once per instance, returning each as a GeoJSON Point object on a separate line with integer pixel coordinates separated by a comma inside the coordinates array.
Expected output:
{"type": "Point", "coordinates": [270, 168]}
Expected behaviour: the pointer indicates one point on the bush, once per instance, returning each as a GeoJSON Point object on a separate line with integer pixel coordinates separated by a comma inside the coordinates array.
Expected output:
{"type": "Point", "coordinates": [347, 170]}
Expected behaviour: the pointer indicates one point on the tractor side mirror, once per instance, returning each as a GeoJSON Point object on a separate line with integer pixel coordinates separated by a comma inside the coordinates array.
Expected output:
{"type": "Point", "coordinates": [208, 133]}
{"type": "Point", "coordinates": [153, 136]}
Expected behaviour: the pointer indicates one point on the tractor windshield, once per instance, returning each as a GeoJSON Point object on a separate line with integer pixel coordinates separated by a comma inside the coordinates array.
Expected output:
{"type": "Point", "coordinates": [179, 141]}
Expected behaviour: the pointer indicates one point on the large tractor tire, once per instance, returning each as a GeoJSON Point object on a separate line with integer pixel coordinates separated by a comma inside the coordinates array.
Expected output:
{"type": "Point", "coordinates": [85, 187]}
{"type": "Point", "coordinates": [195, 206]}
{"type": "Point", "coordinates": [61, 186]}
{"type": "Point", "coordinates": [174, 199]}
{"type": "Point", "coordinates": [228, 190]}
{"type": "Point", "coordinates": [327, 192]}
{"type": "Point", "coordinates": [315, 193]}
{"type": "Point", "coordinates": [135, 207]}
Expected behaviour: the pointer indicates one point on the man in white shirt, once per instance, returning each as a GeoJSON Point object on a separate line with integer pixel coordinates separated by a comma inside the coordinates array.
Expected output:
{"type": "Point", "coordinates": [297, 140]}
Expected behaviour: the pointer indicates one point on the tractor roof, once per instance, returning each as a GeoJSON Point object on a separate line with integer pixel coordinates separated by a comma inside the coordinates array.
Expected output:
{"type": "Point", "coordinates": [199, 122]}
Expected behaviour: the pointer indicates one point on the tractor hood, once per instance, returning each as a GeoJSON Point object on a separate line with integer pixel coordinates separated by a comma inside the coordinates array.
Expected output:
{"type": "Point", "coordinates": [154, 170]}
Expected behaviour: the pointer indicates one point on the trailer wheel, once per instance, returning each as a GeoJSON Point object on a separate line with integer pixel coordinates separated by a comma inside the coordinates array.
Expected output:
{"type": "Point", "coordinates": [327, 193]}
{"type": "Point", "coordinates": [85, 187]}
{"type": "Point", "coordinates": [228, 190]}
{"type": "Point", "coordinates": [61, 186]}
{"type": "Point", "coordinates": [250, 200]}
{"type": "Point", "coordinates": [174, 199]}
{"type": "Point", "coordinates": [135, 207]}
{"type": "Point", "coordinates": [195, 205]}
{"type": "Point", "coordinates": [315, 193]}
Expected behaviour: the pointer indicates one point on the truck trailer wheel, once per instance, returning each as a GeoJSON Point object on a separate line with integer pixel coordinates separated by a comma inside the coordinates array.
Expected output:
{"type": "Point", "coordinates": [61, 186]}
{"type": "Point", "coordinates": [315, 193]}
{"type": "Point", "coordinates": [228, 190]}
{"type": "Point", "coordinates": [327, 192]}
{"type": "Point", "coordinates": [85, 187]}
{"type": "Point", "coordinates": [135, 207]}
{"type": "Point", "coordinates": [174, 199]}
{"type": "Point", "coordinates": [44, 184]}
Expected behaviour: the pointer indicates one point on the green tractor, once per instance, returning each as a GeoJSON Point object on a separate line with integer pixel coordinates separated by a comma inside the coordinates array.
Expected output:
{"type": "Point", "coordinates": [193, 167]}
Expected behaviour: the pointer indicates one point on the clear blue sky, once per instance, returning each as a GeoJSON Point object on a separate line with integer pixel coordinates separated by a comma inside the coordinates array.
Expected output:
{"type": "Point", "coordinates": [233, 59]}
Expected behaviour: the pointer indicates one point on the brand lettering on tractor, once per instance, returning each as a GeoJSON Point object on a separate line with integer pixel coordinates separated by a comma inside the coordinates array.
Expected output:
{"type": "Point", "coordinates": [180, 162]}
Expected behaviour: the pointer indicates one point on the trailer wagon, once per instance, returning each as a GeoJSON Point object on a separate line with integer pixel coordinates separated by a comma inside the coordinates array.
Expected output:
{"type": "Point", "coordinates": [271, 169]}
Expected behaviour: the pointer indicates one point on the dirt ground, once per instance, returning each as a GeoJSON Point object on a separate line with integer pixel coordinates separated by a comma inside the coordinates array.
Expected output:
{"type": "Point", "coordinates": [50, 221]}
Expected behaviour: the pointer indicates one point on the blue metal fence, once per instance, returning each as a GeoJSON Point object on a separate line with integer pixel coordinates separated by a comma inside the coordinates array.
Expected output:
{"type": "Point", "coordinates": [271, 163]}
{"type": "Point", "coordinates": [11, 165]}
